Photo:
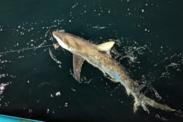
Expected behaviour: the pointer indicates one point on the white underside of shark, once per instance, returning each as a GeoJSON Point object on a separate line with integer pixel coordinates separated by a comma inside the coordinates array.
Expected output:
{"type": "Point", "coordinates": [61, 43]}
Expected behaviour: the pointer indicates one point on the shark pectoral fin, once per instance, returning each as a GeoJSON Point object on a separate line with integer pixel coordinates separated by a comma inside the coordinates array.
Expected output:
{"type": "Point", "coordinates": [77, 65]}
{"type": "Point", "coordinates": [106, 46]}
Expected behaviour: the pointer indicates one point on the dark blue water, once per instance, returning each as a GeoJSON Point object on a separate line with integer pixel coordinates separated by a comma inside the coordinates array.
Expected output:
{"type": "Point", "coordinates": [149, 39]}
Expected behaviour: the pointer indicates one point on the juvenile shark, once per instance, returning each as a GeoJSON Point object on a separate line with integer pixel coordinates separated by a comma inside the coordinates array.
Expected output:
{"type": "Point", "coordinates": [99, 56]}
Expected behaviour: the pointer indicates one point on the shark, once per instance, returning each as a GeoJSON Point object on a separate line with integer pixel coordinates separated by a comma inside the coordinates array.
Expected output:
{"type": "Point", "coordinates": [99, 56]}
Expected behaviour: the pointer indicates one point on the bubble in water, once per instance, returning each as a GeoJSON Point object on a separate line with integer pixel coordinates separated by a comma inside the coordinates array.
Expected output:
{"type": "Point", "coordinates": [58, 93]}
{"type": "Point", "coordinates": [66, 105]}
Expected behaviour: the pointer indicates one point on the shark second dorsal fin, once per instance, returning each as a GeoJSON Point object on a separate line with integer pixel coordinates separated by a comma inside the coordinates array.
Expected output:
{"type": "Point", "coordinates": [77, 65]}
{"type": "Point", "coordinates": [106, 47]}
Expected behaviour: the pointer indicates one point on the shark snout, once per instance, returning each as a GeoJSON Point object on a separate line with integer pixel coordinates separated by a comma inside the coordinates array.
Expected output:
{"type": "Point", "coordinates": [56, 33]}
{"type": "Point", "coordinates": [59, 36]}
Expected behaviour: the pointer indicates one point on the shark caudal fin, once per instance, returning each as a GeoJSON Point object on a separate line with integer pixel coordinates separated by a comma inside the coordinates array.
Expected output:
{"type": "Point", "coordinates": [145, 101]}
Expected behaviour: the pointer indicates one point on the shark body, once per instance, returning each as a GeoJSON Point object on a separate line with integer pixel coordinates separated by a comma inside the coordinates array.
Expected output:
{"type": "Point", "coordinates": [99, 56]}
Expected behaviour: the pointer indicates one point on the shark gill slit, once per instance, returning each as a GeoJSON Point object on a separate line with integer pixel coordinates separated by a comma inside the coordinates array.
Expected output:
{"type": "Point", "coordinates": [77, 45]}
{"type": "Point", "coordinates": [66, 41]}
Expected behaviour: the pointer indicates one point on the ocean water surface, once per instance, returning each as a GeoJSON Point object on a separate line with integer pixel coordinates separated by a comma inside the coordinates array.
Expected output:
{"type": "Point", "coordinates": [149, 43]}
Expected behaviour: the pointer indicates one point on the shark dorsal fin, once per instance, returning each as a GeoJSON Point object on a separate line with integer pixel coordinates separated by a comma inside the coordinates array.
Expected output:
{"type": "Point", "coordinates": [106, 47]}
{"type": "Point", "coordinates": [77, 65]}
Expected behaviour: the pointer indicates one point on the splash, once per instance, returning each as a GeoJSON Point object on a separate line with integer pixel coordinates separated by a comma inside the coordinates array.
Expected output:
{"type": "Point", "coordinates": [53, 57]}
{"type": "Point", "coordinates": [2, 88]}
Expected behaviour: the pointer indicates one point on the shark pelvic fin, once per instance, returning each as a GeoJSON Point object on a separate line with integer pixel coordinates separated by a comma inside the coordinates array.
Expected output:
{"type": "Point", "coordinates": [106, 47]}
{"type": "Point", "coordinates": [77, 65]}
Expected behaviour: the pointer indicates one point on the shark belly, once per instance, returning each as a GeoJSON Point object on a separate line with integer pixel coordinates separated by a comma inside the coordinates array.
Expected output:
{"type": "Point", "coordinates": [116, 77]}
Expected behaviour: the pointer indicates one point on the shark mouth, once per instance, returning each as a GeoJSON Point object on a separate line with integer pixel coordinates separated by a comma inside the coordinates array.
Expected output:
{"type": "Point", "coordinates": [61, 43]}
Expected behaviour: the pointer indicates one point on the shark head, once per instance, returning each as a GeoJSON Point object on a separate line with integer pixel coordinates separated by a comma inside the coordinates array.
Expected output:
{"type": "Point", "coordinates": [67, 41]}
{"type": "Point", "coordinates": [77, 44]}
{"type": "Point", "coordinates": [60, 37]}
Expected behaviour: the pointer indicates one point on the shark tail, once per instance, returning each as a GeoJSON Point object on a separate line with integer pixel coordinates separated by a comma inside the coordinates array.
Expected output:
{"type": "Point", "coordinates": [144, 101]}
